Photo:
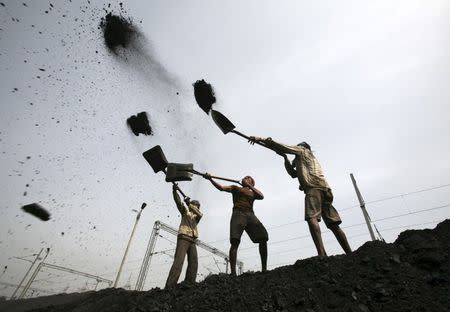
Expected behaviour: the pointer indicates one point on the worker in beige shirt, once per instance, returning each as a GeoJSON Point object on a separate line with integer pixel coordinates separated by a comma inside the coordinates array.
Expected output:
{"type": "Point", "coordinates": [318, 196]}
{"type": "Point", "coordinates": [186, 241]}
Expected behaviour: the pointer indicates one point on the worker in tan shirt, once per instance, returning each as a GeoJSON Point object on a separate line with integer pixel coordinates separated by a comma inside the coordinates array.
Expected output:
{"type": "Point", "coordinates": [186, 241]}
{"type": "Point", "coordinates": [318, 196]}
{"type": "Point", "coordinates": [244, 219]}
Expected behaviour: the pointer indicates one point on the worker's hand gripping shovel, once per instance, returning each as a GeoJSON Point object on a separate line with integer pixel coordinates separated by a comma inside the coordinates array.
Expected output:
{"type": "Point", "coordinates": [157, 160]}
{"type": "Point", "coordinates": [184, 172]}
{"type": "Point", "coordinates": [227, 126]}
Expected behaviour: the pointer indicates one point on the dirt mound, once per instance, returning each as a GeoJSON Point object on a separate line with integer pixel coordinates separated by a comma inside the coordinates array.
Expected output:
{"type": "Point", "coordinates": [411, 274]}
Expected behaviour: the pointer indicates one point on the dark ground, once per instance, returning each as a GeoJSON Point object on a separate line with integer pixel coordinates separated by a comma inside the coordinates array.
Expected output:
{"type": "Point", "coordinates": [412, 274]}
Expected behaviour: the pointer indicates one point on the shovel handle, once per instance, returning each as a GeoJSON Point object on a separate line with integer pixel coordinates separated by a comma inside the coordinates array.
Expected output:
{"type": "Point", "coordinates": [215, 177]}
{"type": "Point", "coordinates": [176, 185]}
{"type": "Point", "coordinates": [247, 137]}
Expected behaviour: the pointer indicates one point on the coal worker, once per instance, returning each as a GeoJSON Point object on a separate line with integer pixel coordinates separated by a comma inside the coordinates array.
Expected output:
{"type": "Point", "coordinates": [186, 242]}
{"type": "Point", "coordinates": [318, 196]}
{"type": "Point", "coordinates": [244, 219]}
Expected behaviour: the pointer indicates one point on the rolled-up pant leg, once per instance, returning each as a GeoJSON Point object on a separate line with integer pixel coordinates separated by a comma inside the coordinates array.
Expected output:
{"type": "Point", "coordinates": [191, 272]}
{"type": "Point", "coordinates": [177, 266]}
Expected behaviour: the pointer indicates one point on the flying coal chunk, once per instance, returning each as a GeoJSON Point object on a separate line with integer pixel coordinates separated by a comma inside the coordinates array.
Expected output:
{"type": "Point", "coordinates": [139, 124]}
{"type": "Point", "coordinates": [37, 210]}
{"type": "Point", "coordinates": [204, 95]}
{"type": "Point", "coordinates": [117, 31]}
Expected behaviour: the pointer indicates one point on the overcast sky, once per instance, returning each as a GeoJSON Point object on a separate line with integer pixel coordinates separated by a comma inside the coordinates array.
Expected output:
{"type": "Point", "coordinates": [365, 83]}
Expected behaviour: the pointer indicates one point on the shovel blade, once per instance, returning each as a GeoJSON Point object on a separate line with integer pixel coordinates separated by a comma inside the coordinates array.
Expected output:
{"type": "Point", "coordinates": [179, 172]}
{"type": "Point", "coordinates": [222, 122]}
{"type": "Point", "coordinates": [156, 158]}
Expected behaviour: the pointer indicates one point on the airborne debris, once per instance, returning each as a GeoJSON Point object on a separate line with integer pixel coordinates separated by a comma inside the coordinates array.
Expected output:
{"type": "Point", "coordinates": [117, 31]}
{"type": "Point", "coordinates": [37, 210]}
{"type": "Point", "coordinates": [204, 95]}
{"type": "Point", "coordinates": [139, 124]}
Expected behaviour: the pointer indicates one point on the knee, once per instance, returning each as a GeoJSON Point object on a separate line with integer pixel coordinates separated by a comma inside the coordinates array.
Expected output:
{"type": "Point", "coordinates": [235, 243]}
{"type": "Point", "coordinates": [312, 222]}
{"type": "Point", "coordinates": [334, 227]}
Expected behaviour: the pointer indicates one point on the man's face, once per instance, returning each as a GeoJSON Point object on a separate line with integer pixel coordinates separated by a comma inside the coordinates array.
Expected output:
{"type": "Point", "coordinates": [247, 181]}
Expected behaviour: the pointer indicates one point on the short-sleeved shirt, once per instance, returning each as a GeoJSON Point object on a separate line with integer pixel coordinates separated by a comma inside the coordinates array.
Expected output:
{"type": "Point", "coordinates": [243, 198]}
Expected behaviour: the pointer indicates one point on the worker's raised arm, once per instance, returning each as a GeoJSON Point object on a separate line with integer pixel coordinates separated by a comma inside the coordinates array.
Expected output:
{"type": "Point", "coordinates": [275, 146]}
{"type": "Point", "coordinates": [181, 207]}
{"type": "Point", "coordinates": [289, 167]}
{"type": "Point", "coordinates": [196, 211]}
{"type": "Point", "coordinates": [223, 188]}
{"type": "Point", "coordinates": [258, 193]}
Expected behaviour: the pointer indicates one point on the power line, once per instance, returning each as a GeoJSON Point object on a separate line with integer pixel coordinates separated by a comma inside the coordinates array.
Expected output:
{"type": "Point", "coordinates": [411, 213]}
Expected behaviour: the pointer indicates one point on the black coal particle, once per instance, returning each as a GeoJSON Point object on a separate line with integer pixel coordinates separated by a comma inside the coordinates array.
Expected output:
{"type": "Point", "coordinates": [62, 233]}
{"type": "Point", "coordinates": [204, 95]}
{"type": "Point", "coordinates": [37, 210]}
{"type": "Point", "coordinates": [41, 69]}
{"type": "Point", "coordinates": [117, 31]}
{"type": "Point", "coordinates": [139, 124]}
{"type": "Point", "coordinates": [2, 4]}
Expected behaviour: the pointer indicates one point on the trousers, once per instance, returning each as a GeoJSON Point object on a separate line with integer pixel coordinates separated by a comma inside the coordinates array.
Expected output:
{"type": "Point", "coordinates": [185, 246]}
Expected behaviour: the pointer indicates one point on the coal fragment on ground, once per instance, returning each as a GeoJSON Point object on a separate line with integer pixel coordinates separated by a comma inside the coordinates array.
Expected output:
{"type": "Point", "coordinates": [139, 124]}
{"type": "Point", "coordinates": [204, 95]}
{"type": "Point", "coordinates": [117, 31]}
{"type": "Point", "coordinates": [37, 210]}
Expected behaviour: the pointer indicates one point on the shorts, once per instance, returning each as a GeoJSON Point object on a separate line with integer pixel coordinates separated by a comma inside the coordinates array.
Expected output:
{"type": "Point", "coordinates": [318, 203]}
{"type": "Point", "coordinates": [246, 220]}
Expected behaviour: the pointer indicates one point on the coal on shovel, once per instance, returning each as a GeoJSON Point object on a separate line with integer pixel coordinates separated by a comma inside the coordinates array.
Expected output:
{"type": "Point", "coordinates": [183, 172]}
{"type": "Point", "coordinates": [158, 161]}
{"type": "Point", "coordinates": [227, 126]}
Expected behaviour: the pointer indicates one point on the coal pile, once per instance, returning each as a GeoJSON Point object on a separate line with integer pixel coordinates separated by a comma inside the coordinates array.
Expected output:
{"type": "Point", "coordinates": [139, 124]}
{"type": "Point", "coordinates": [412, 274]}
{"type": "Point", "coordinates": [204, 95]}
{"type": "Point", "coordinates": [37, 210]}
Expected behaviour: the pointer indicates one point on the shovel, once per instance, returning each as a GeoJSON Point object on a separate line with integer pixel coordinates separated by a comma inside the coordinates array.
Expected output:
{"type": "Point", "coordinates": [157, 160]}
{"type": "Point", "coordinates": [227, 126]}
{"type": "Point", "coordinates": [183, 172]}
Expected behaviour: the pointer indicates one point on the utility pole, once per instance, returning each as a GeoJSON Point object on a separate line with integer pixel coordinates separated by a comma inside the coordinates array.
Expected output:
{"type": "Point", "coordinates": [26, 274]}
{"type": "Point", "coordinates": [363, 207]}
{"type": "Point", "coordinates": [138, 216]}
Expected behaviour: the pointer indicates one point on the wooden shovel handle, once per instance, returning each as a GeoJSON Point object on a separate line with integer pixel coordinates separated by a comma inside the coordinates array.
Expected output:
{"type": "Point", "coordinates": [247, 137]}
{"type": "Point", "coordinates": [216, 177]}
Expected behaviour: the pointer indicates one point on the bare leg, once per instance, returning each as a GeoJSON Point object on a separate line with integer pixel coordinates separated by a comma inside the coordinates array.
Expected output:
{"type": "Point", "coordinates": [263, 254]}
{"type": "Point", "coordinates": [341, 238]}
{"type": "Point", "coordinates": [233, 256]}
{"type": "Point", "coordinates": [314, 229]}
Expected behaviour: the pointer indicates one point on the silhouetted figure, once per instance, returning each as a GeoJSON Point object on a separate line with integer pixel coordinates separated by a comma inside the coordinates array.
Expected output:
{"type": "Point", "coordinates": [186, 241]}
{"type": "Point", "coordinates": [244, 219]}
{"type": "Point", "coordinates": [318, 196]}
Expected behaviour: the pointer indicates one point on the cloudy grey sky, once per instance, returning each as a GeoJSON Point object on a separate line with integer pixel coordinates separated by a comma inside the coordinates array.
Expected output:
{"type": "Point", "coordinates": [365, 83]}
